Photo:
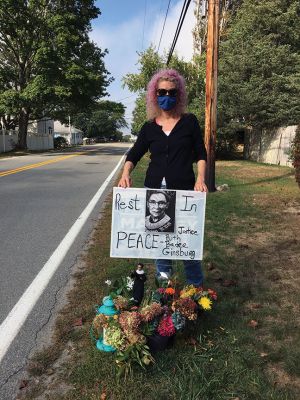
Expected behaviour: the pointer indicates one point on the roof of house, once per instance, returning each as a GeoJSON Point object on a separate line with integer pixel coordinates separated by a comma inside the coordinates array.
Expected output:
{"type": "Point", "coordinates": [62, 128]}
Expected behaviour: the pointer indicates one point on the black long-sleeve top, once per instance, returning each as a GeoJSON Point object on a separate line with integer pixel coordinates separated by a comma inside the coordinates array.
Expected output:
{"type": "Point", "coordinates": [171, 156]}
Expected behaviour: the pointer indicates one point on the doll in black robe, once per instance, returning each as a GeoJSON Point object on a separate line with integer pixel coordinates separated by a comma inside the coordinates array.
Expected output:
{"type": "Point", "coordinates": [139, 278]}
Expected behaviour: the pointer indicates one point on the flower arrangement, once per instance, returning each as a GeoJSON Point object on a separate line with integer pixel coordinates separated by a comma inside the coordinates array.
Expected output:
{"type": "Point", "coordinates": [165, 311]}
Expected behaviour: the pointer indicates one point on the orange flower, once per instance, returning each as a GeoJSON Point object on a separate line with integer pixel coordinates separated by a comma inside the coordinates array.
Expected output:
{"type": "Point", "coordinates": [170, 291]}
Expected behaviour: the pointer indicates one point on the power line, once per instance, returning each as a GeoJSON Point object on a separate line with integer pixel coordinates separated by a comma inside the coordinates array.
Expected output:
{"type": "Point", "coordinates": [180, 17]}
{"type": "Point", "coordinates": [127, 97]}
{"type": "Point", "coordinates": [156, 28]}
{"type": "Point", "coordinates": [178, 29]}
{"type": "Point", "coordinates": [128, 102]}
{"type": "Point", "coordinates": [163, 26]}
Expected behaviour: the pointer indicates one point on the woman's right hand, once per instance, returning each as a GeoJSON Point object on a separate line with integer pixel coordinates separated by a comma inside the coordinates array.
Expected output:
{"type": "Point", "coordinates": [125, 181]}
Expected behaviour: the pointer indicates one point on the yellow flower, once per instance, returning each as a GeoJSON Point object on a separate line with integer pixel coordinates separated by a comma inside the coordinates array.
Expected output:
{"type": "Point", "coordinates": [205, 303]}
{"type": "Point", "coordinates": [183, 294]}
{"type": "Point", "coordinates": [188, 293]}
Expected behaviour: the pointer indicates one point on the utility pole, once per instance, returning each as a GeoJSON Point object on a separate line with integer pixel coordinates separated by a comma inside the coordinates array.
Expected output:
{"type": "Point", "coordinates": [70, 130]}
{"type": "Point", "coordinates": [211, 90]}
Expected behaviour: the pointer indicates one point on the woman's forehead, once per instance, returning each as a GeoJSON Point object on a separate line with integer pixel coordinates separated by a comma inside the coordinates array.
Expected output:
{"type": "Point", "coordinates": [157, 196]}
{"type": "Point", "coordinates": [166, 85]}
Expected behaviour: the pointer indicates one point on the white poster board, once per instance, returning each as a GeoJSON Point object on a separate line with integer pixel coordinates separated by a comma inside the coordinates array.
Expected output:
{"type": "Point", "coordinates": [158, 224]}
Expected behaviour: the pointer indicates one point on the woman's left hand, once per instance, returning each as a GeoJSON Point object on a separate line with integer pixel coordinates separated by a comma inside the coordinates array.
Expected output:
{"type": "Point", "coordinates": [200, 186]}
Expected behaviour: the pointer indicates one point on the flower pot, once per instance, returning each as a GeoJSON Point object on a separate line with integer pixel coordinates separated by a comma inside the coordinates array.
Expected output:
{"type": "Point", "coordinates": [108, 307]}
{"type": "Point", "coordinates": [156, 342]}
{"type": "Point", "coordinates": [102, 346]}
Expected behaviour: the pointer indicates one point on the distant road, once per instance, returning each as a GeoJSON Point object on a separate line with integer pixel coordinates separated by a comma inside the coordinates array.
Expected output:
{"type": "Point", "coordinates": [41, 196]}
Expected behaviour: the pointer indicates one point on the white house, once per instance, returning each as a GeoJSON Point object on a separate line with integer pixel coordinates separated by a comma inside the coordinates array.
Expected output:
{"type": "Point", "coordinates": [39, 136]}
{"type": "Point", "coordinates": [70, 133]}
{"type": "Point", "coordinates": [41, 127]}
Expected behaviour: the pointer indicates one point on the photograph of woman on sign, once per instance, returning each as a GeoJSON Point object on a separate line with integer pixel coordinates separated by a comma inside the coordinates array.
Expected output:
{"type": "Point", "coordinates": [160, 210]}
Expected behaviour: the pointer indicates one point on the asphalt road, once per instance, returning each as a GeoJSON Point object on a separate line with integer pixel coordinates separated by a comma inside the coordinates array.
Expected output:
{"type": "Point", "coordinates": [37, 208]}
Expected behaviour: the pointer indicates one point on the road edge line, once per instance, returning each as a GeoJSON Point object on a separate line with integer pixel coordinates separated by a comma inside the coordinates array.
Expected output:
{"type": "Point", "coordinates": [14, 321]}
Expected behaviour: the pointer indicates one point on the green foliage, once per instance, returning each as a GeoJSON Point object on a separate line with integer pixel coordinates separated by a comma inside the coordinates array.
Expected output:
{"type": "Point", "coordinates": [259, 71]}
{"type": "Point", "coordinates": [259, 81]}
{"type": "Point", "coordinates": [149, 62]}
{"type": "Point", "coordinates": [194, 74]}
{"type": "Point", "coordinates": [104, 119]}
{"type": "Point", "coordinates": [121, 287]}
{"type": "Point", "coordinates": [118, 136]}
{"type": "Point", "coordinates": [60, 142]}
{"type": "Point", "coordinates": [139, 114]}
{"type": "Point", "coordinates": [137, 353]}
{"type": "Point", "coordinates": [48, 65]}
{"type": "Point", "coordinates": [126, 138]}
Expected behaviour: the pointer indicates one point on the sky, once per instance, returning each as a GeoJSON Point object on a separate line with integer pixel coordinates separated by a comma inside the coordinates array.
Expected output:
{"type": "Point", "coordinates": [126, 27]}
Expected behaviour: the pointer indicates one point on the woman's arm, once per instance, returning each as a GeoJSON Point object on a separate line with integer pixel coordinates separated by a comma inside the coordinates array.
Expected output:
{"type": "Point", "coordinates": [133, 157]}
{"type": "Point", "coordinates": [200, 185]}
{"type": "Point", "coordinates": [126, 180]}
{"type": "Point", "coordinates": [200, 156]}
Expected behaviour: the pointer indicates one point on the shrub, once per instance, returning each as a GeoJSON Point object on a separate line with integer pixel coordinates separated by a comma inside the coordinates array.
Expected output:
{"type": "Point", "coordinates": [60, 142]}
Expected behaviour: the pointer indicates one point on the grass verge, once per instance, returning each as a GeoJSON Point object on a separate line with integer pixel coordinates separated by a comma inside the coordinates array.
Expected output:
{"type": "Point", "coordinates": [247, 348]}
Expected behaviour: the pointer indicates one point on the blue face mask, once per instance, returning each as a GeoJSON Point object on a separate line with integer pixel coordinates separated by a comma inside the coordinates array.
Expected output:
{"type": "Point", "coordinates": [166, 103]}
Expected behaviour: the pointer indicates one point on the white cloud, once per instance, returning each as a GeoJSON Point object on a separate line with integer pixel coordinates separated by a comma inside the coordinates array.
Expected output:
{"type": "Point", "coordinates": [125, 39]}
{"type": "Point", "coordinates": [121, 42]}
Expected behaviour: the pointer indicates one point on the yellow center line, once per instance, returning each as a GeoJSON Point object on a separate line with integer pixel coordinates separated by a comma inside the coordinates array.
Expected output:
{"type": "Point", "coordinates": [40, 164]}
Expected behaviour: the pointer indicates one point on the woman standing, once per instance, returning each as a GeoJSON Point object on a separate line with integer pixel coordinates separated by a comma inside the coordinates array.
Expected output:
{"type": "Point", "coordinates": [175, 142]}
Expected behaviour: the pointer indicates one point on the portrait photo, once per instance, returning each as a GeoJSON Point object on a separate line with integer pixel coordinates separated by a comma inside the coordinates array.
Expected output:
{"type": "Point", "coordinates": [160, 210]}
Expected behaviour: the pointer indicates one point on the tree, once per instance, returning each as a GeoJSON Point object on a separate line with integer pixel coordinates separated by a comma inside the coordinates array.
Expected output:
{"type": "Point", "coordinates": [104, 120]}
{"type": "Point", "coordinates": [126, 138]}
{"type": "Point", "coordinates": [149, 62]}
{"type": "Point", "coordinates": [48, 65]}
{"type": "Point", "coordinates": [259, 82]}
{"type": "Point", "coordinates": [227, 8]}
{"type": "Point", "coordinates": [139, 114]}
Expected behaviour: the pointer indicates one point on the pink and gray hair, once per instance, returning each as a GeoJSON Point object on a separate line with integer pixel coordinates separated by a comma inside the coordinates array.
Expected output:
{"type": "Point", "coordinates": [170, 75]}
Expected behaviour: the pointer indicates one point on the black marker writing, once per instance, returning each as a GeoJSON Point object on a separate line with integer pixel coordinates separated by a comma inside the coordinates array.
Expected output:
{"type": "Point", "coordinates": [191, 206]}
{"type": "Point", "coordinates": [121, 205]}
{"type": "Point", "coordinates": [182, 229]}
{"type": "Point", "coordinates": [137, 240]}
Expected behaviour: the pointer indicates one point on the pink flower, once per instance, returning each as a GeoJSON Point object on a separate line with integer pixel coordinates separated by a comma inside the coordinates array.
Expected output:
{"type": "Point", "coordinates": [212, 293]}
{"type": "Point", "coordinates": [166, 326]}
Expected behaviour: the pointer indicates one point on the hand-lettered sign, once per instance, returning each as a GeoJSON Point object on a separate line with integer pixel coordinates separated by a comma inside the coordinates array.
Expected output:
{"type": "Point", "coordinates": [150, 223]}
